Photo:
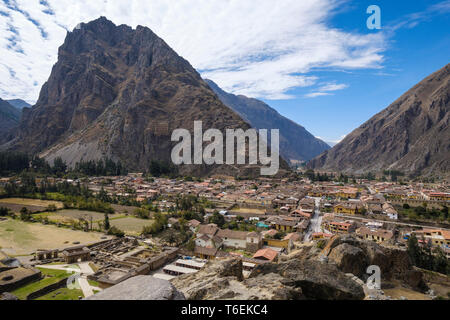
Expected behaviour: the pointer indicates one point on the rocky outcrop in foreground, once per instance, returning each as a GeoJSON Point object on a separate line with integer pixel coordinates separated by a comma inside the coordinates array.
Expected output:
{"type": "Point", "coordinates": [140, 288]}
{"type": "Point", "coordinates": [291, 280]}
{"type": "Point", "coordinates": [338, 273]}
{"type": "Point", "coordinates": [223, 280]}
{"type": "Point", "coordinates": [354, 256]}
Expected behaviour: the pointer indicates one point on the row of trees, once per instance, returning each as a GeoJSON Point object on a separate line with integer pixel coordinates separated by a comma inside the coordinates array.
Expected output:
{"type": "Point", "coordinates": [313, 176]}
{"type": "Point", "coordinates": [162, 168]}
{"type": "Point", "coordinates": [12, 162]}
{"type": "Point", "coordinates": [73, 196]}
{"type": "Point", "coordinates": [16, 163]}
{"type": "Point", "coordinates": [422, 212]}
{"type": "Point", "coordinates": [393, 174]}
{"type": "Point", "coordinates": [106, 167]}
{"type": "Point", "coordinates": [29, 186]}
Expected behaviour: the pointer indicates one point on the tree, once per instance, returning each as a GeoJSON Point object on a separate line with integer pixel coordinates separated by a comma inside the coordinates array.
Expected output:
{"type": "Point", "coordinates": [103, 196]}
{"type": "Point", "coordinates": [370, 176]}
{"type": "Point", "coordinates": [59, 166]}
{"type": "Point", "coordinates": [4, 212]}
{"type": "Point", "coordinates": [114, 231]}
{"type": "Point", "coordinates": [310, 175]}
{"type": "Point", "coordinates": [142, 213]}
{"type": "Point", "coordinates": [427, 257]}
{"type": "Point", "coordinates": [190, 245]}
{"type": "Point", "coordinates": [280, 235]}
{"type": "Point", "coordinates": [106, 224]}
{"type": "Point", "coordinates": [440, 263]}
{"type": "Point", "coordinates": [25, 215]}
{"type": "Point", "coordinates": [218, 219]}
{"type": "Point", "coordinates": [170, 237]}
{"type": "Point", "coordinates": [414, 251]}
{"type": "Point", "coordinates": [158, 225]}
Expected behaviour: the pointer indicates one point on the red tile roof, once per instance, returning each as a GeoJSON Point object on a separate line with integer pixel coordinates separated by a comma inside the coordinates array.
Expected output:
{"type": "Point", "coordinates": [267, 254]}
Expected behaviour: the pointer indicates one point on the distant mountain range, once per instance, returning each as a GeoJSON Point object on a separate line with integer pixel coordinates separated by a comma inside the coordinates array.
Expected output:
{"type": "Point", "coordinates": [19, 103]}
{"type": "Point", "coordinates": [331, 144]}
{"type": "Point", "coordinates": [119, 92]}
{"type": "Point", "coordinates": [296, 143]}
{"type": "Point", "coordinates": [412, 135]}
{"type": "Point", "coordinates": [9, 120]}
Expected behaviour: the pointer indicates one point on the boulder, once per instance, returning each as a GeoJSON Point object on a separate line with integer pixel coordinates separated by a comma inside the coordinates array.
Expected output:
{"type": "Point", "coordinates": [223, 280]}
{"type": "Point", "coordinates": [303, 274]}
{"type": "Point", "coordinates": [8, 296]}
{"type": "Point", "coordinates": [320, 281]}
{"type": "Point", "coordinates": [350, 259]}
{"type": "Point", "coordinates": [352, 255]}
{"type": "Point", "coordinates": [231, 268]}
{"type": "Point", "coordinates": [140, 288]}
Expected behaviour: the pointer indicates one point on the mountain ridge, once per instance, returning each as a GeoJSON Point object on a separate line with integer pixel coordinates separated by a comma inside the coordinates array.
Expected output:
{"type": "Point", "coordinates": [19, 103]}
{"type": "Point", "coordinates": [412, 135]}
{"type": "Point", "coordinates": [119, 92]}
{"type": "Point", "coordinates": [296, 143]}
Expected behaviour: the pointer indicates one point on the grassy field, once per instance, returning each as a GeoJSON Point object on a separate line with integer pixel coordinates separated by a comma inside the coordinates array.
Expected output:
{"type": "Point", "coordinates": [50, 277]}
{"type": "Point", "coordinates": [67, 215]}
{"type": "Point", "coordinates": [63, 294]}
{"type": "Point", "coordinates": [94, 283]}
{"type": "Point", "coordinates": [22, 238]}
{"type": "Point", "coordinates": [32, 202]}
{"type": "Point", "coordinates": [123, 209]}
{"type": "Point", "coordinates": [130, 225]}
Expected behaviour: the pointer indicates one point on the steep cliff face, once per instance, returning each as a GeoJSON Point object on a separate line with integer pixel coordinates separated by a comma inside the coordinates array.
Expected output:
{"type": "Point", "coordinates": [412, 135]}
{"type": "Point", "coordinates": [119, 92]}
{"type": "Point", "coordinates": [296, 143]}
{"type": "Point", "coordinates": [9, 120]}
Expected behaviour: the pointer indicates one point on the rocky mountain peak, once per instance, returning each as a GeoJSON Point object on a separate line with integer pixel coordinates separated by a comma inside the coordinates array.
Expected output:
{"type": "Point", "coordinates": [118, 92]}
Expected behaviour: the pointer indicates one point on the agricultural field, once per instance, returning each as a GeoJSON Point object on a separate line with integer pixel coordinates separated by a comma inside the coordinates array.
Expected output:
{"type": "Point", "coordinates": [33, 205]}
{"type": "Point", "coordinates": [22, 238]}
{"type": "Point", "coordinates": [130, 225]}
{"type": "Point", "coordinates": [67, 215]}
{"type": "Point", "coordinates": [127, 210]}
{"type": "Point", "coordinates": [252, 211]}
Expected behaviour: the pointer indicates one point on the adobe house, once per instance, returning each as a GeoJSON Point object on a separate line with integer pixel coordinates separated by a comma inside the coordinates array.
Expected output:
{"type": "Point", "coordinates": [254, 242]}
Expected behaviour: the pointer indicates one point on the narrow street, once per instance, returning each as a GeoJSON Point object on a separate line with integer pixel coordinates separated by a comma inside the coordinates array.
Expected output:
{"type": "Point", "coordinates": [316, 222]}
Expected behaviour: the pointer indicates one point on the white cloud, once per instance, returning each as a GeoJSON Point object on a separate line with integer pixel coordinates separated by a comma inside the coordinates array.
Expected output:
{"type": "Point", "coordinates": [261, 49]}
{"type": "Point", "coordinates": [326, 90]}
{"type": "Point", "coordinates": [412, 20]}
{"type": "Point", "coordinates": [317, 94]}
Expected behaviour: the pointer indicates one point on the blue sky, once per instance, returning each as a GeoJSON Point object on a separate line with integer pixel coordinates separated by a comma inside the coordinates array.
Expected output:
{"type": "Point", "coordinates": [412, 53]}
{"type": "Point", "coordinates": [315, 61]}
